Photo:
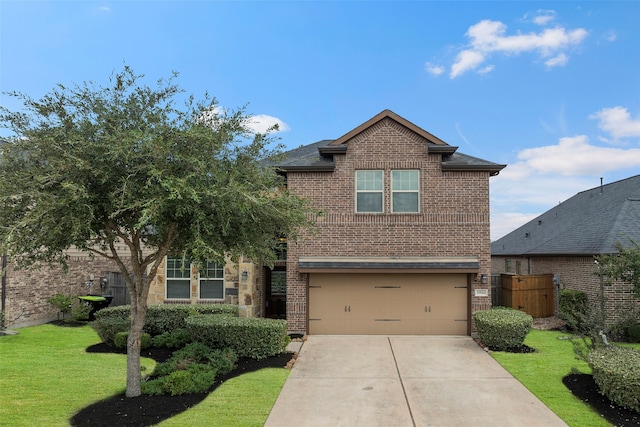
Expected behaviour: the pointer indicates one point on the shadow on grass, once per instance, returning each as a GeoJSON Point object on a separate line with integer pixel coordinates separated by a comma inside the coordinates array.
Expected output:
{"type": "Point", "coordinates": [151, 410]}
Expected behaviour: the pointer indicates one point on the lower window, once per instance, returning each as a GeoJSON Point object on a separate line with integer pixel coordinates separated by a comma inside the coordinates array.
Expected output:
{"type": "Point", "coordinates": [211, 281]}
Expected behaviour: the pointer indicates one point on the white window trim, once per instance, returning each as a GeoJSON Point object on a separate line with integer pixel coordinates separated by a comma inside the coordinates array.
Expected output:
{"type": "Point", "coordinates": [404, 191]}
{"type": "Point", "coordinates": [167, 278]}
{"type": "Point", "coordinates": [381, 192]}
{"type": "Point", "coordinates": [201, 279]}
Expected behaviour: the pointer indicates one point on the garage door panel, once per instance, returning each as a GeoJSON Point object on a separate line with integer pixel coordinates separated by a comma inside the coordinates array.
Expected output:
{"type": "Point", "coordinates": [388, 304]}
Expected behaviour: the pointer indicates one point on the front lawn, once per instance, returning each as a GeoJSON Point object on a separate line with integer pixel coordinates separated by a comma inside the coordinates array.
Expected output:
{"type": "Point", "coordinates": [46, 376]}
{"type": "Point", "coordinates": [542, 372]}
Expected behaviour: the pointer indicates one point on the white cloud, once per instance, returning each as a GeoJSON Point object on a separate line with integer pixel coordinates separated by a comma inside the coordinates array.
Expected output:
{"type": "Point", "coordinates": [558, 60]}
{"type": "Point", "coordinates": [260, 123]}
{"type": "Point", "coordinates": [466, 60]}
{"type": "Point", "coordinates": [543, 17]}
{"type": "Point", "coordinates": [618, 122]}
{"type": "Point", "coordinates": [489, 37]}
{"type": "Point", "coordinates": [436, 70]}
{"type": "Point", "coordinates": [575, 156]}
{"type": "Point", "coordinates": [543, 176]}
{"type": "Point", "coordinates": [505, 222]}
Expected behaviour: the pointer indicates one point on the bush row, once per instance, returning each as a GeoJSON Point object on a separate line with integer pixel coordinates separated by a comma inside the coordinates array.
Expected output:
{"type": "Point", "coordinates": [616, 370]}
{"type": "Point", "coordinates": [248, 337]}
{"type": "Point", "coordinates": [160, 319]}
{"type": "Point", "coordinates": [502, 328]}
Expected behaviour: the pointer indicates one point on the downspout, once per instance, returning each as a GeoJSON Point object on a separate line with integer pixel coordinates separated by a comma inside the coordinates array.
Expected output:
{"type": "Point", "coordinates": [4, 281]}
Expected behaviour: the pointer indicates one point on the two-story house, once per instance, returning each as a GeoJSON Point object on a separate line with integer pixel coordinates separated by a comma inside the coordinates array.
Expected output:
{"type": "Point", "coordinates": [403, 246]}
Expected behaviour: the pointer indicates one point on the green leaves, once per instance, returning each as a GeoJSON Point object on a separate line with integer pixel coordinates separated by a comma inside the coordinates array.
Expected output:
{"type": "Point", "coordinates": [624, 266]}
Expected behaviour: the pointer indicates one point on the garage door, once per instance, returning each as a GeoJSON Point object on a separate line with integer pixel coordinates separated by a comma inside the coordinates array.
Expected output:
{"type": "Point", "coordinates": [395, 304]}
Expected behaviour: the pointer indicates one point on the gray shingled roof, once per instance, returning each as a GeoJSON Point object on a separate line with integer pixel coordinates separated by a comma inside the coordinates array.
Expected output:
{"type": "Point", "coordinates": [308, 157]}
{"type": "Point", "coordinates": [589, 223]}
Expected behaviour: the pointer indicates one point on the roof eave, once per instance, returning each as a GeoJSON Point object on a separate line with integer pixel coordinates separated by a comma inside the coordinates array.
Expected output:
{"type": "Point", "coordinates": [493, 169]}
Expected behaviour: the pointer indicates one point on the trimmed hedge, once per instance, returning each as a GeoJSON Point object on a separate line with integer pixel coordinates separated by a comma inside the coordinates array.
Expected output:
{"type": "Point", "coordinates": [502, 328]}
{"type": "Point", "coordinates": [109, 326]}
{"type": "Point", "coordinates": [171, 317]}
{"type": "Point", "coordinates": [248, 337]}
{"type": "Point", "coordinates": [573, 308]}
{"type": "Point", "coordinates": [616, 370]}
{"type": "Point", "coordinates": [120, 340]}
{"type": "Point", "coordinates": [160, 319]}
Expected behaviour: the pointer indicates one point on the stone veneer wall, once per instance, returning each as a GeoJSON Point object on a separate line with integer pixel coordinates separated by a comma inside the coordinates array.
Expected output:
{"type": "Point", "coordinates": [240, 290]}
{"type": "Point", "coordinates": [28, 290]}
{"type": "Point", "coordinates": [453, 218]}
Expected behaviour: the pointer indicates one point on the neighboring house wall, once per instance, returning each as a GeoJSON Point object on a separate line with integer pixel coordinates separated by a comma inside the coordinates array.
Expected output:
{"type": "Point", "coordinates": [453, 218]}
{"type": "Point", "coordinates": [578, 273]}
{"type": "Point", "coordinates": [27, 290]}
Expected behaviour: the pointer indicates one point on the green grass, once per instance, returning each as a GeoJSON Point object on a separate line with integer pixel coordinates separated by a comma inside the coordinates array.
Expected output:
{"type": "Point", "coordinates": [542, 374]}
{"type": "Point", "coordinates": [46, 376]}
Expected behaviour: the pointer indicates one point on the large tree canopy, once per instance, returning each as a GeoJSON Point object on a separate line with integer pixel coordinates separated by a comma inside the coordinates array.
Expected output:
{"type": "Point", "coordinates": [93, 167]}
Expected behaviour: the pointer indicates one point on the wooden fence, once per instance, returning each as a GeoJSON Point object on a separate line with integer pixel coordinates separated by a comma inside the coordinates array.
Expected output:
{"type": "Point", "coordinates": [117, 288]}
{"type": "Point", "coordinates": [532, 294]}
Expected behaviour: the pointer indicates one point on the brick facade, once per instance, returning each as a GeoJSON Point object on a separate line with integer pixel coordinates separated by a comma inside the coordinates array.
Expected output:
{"type": "Point", "coordinates": [453, 218]}
{"type": "Point", "coordinates": [27, 290]}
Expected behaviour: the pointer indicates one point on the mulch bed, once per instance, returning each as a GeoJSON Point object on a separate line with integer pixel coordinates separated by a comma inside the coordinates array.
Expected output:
{"type": "Point", "coordinates": [150, 410]}
{"type": "Point", "coordinates": [584, 388]}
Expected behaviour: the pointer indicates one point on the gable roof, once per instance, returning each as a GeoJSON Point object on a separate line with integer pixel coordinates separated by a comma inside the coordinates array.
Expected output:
{"type": "Point", "coordinates": [318, 157]}
{"type": "Point", "coordinates": [589, 223]}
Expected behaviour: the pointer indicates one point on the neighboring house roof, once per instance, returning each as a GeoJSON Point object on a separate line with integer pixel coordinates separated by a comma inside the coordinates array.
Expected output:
{"type": "Point", "coordinates": [589, 223]}
{"type": "Point", "coordinates": [318, 156]}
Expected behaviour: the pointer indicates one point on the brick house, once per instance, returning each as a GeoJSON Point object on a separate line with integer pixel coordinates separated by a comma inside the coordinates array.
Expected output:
{"type": "Point", "coordinates": [564, 240]}
{"type": "Point", "coordinates": [403, 246]}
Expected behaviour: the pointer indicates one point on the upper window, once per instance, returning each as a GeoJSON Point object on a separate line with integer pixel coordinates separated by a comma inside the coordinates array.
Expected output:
{"type": "Point", "coordinates": [211, 282]}
{"type": "Point", "coordinates": [405, 190]}
{"type": "Point", "coordinates": [178, 278]}
{"type": "Point", "coordinates": [369, 185]}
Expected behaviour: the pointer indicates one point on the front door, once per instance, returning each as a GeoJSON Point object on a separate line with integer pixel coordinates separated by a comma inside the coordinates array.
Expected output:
{"type": "Point", "coordinates": [276, 293]}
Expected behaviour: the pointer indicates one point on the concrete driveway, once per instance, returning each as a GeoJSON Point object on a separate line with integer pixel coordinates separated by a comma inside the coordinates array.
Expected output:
{"type": "Point", "coordinates": [403, 381]}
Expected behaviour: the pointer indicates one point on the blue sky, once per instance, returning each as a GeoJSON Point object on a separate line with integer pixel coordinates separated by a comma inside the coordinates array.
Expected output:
{"type": "Point", "coordinates": [552, 89]}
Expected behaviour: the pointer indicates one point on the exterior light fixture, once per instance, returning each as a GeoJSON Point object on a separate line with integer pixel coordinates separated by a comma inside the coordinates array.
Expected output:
{"type": "Point", "coordinates": [483, 279]}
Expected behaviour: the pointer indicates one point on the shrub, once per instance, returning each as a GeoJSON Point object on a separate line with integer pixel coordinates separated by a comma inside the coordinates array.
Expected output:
{"type": "Point", "coordinates": [62, 302]}
{"type": "Point", "coordinates": [634, 332]}
{"type": "Point", "coordinates": [122, 312]}
{"type": "Point", "coordinates": [616, 370]}
{"type": "Point", "coordinates": [627, 318]}
{"type": "Point", "coordinates": [502, 328]}
{"type": "Point", "coordinates": [108, 326]}
{"type": "Point", "coordinates": [196, 352]}
{"type": "Point", "coordinates": [248, 337]}
{"type": "Point", "coordinates": [573, 308]}
{"type": "Point", "coordinates": [198, 378]}
{"type": "Point", "coordinates": [192, 369]}
{"type": "Point", "coordinates": [177, 339]}
{"type": "Point", "coordinates": [120, 340]}
{"type": "Point", "coordinates": [171, 317]}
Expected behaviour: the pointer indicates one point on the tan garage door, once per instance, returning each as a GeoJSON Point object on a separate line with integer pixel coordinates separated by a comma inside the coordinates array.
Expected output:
{"type": "Point", "coordinates": [395, 304]}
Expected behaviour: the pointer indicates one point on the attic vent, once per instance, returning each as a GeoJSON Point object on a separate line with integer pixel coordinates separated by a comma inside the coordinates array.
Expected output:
{"type": "Point", "coordinates": [539, 222]}
{"type": "Point", "coordinates": [527, 235]}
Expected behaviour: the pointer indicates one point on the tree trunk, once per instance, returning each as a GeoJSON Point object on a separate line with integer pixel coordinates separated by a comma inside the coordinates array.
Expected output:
{"type": "Point", "coordinates": [134, 374]}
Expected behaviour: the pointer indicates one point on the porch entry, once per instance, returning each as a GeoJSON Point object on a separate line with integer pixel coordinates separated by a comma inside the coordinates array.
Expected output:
{"type": "Point", "coordinates": [276, 292]}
